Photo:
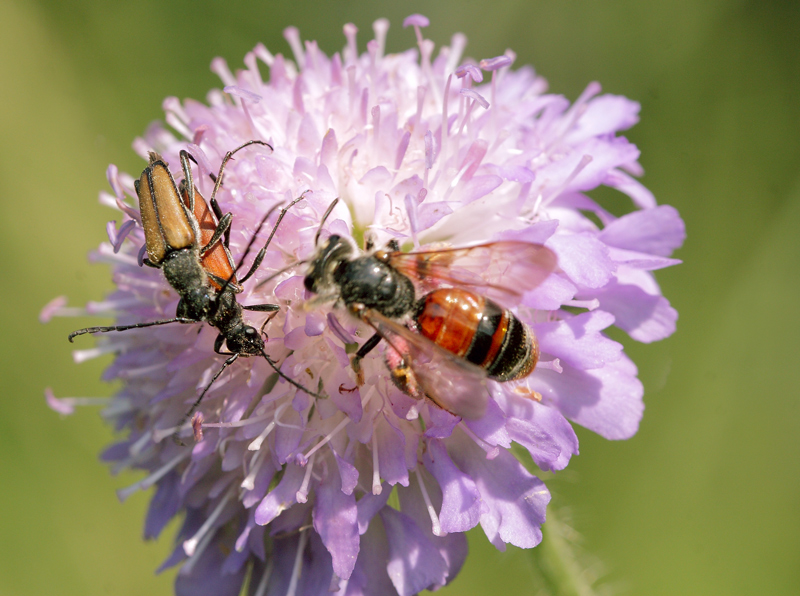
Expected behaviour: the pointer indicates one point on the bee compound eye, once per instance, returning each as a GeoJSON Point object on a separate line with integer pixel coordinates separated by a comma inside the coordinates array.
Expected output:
{"type": "Point", "coordinates": [308, 283]}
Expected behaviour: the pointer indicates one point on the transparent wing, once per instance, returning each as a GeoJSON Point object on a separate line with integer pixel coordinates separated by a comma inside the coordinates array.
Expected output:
{"type": "Point", "coordinates": [453, 383]}
{"type": "Point", "coordinates": [503, 271]}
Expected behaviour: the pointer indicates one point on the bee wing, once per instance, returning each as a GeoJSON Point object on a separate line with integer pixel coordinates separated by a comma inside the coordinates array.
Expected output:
{"type": "Point", "coordinates": [503, 270]}
{"type": "Point", "coordinates": [452, 383]}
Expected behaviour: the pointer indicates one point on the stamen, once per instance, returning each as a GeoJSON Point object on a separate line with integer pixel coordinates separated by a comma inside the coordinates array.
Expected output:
{"type": "Point", "coordinates": [376, 128]}
{"type": "Point", "coordinates": [587, 304]}
{"type": "Point", "coordinates": [175, 122]}
{"type": "Point", "coordinates": [436, 526]}
{"type": "Point", "coordinates": [264, 54]}
{"type": "Point", "coordinates": [402, 147]}
{"type": "Point", "coordinates": [238, 423]}
{"type": "Point", "coordinates": [220, 68]}
{"type": "Point", "coordinates": [249, 482]}
{"type": "Point", "coordinates": [491, 452]}
{"type": "Point", "coordinates": [197, 426]}
{"type": "Point", "coordinates": [105, 254]}
{"type": "Point", "coordinates": [262, 585]}
{"type": "Point", "coordinates": [554, 364]}
{"type": "Point", "coordinates": [292, 35]}
{"type": "Point", "coordinates": [192, 561]}
{"type": "Point", "coordinates": [189, 546]}
{"type": "Point", "coordinates": [338, 329]}
{"type": "Point", "coordinates": [145, 483]}
{"type": "Point", "coordinates": [445, 124]}
{"type": "Point", "coordinates": [142, 371]}
{"type": "Point", "coordinates": [141, 443]}
{"type": "Point", "coordinates": [57, 307]}
{"type": "Point", "coordinates": [117, 237]}
{"type": "Point", "coordinates": [376, 472]}
{"type": "Point", "coordinates": [255, 445]}
{"type": "Point", "coordinates": [302, 494]}
{"type": "Point", "coordinates": [112, 175]}
{"type": "Point", "coordinates": [380, 27]}
{"type": "Point", "coordinates": [457, 44]}
{"type": "Point", "coordinates": [298, 560]}
{"type": "Point", "coordinates": [303, 459]}
{"type": "Point", "coordinates": [79, 356]}
{"type": "Point", "coordinates": [556, 191]}
{"type": "Point", "coordinates": [351, 53]}
{"type": "Point", "coordinates": [66, 405]}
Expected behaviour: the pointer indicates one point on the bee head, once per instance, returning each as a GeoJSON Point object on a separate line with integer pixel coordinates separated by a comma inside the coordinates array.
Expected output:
{"type": "Point", "coordinates": [329, 256]}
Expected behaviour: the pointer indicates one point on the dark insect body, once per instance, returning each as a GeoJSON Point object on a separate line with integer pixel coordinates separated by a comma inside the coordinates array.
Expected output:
{"type": "Point", "coordinates": [445, 343]}
{"type": "Point", "coordinates": [190, 246]}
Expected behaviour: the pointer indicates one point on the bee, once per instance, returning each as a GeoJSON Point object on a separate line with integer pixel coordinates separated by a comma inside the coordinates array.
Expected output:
{"type": "Point", "coordinates": [446, 343]}
{"type": "Point", "coordinates": [190, 246]}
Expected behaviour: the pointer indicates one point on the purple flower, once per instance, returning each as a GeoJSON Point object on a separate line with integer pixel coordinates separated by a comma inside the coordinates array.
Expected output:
{"type": "Point", "coordinates": [370, 491]}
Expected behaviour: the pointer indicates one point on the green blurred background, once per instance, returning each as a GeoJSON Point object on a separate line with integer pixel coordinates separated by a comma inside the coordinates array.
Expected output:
{"type": "Point", "coordinates": [704, 500]}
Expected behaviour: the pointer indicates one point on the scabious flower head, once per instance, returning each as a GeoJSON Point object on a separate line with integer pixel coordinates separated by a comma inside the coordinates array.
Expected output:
{"type": "Point", "coordinates": [296, 492]}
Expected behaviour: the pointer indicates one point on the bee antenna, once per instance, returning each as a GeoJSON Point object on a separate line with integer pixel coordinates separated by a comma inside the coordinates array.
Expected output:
{"type": "Point", "coordinates": [324, 217]}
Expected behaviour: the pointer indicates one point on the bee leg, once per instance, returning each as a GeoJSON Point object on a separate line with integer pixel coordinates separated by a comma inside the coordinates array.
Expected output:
{"type": "Point", "coordinates": [365, 349]}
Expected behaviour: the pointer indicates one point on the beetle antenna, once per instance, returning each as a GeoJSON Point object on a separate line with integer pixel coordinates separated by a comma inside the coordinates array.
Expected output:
{"type": "Point", "coordinates": [324, 217]}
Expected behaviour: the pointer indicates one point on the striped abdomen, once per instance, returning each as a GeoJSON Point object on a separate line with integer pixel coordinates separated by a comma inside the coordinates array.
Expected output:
{"type": "Point", "coordinates": [480, 331]}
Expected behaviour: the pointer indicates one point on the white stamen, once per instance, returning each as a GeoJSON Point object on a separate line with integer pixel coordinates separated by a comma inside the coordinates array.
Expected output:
{"type": "Point", "coordinates": [175, 122]}
{"type": "Point", "coordinates": [105, 254]}
{"type": "Point", "coordinates": [491, 452]}
{"type": "Point", "coordinates": [304, 458]}
{"type": "Point", "coordinates": [238, 423]}
{"type": "Point", "coordinates": [145, 483]}
{"type": "Point", "coordinates": [445, 125]}
{"type": "Point", "coordinates": [141, 443]}
{"type": "Point", "coordinates": [302, 494]}
{"type": "Point", "coordinates": [262, 585]}
{"type": "Point", "coordinates": [292, 36]}
{"type": "Point", "coordinates": [380, 27]}
{"type": "Point", "coordinates": [142, 371]}
{"type": "Point", "coordinates": [457, 44]}
{"type": "Point", "coordinates": [587, 304]}
{"type": "Point", "coordinates": [79, 356]}
{"type": "Point", "coordinates": [264, 54]}
{"type": "Point", "coordinates": [249, 483]}
{"type": "Point", "coordinates": [436, 527]}
{"type": "Point", "coordinates": [298, 560]}
{"type": "Point", "coordinates": [190, 546]}
{"type": "Point", "coordinates": [376, 472]}
{"type": "Point", "coordinates": [554, 364]}
{"type": "Point", "coordinates": [255, 445]}
{"type": "Point", "coordinates": [198, 552]}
